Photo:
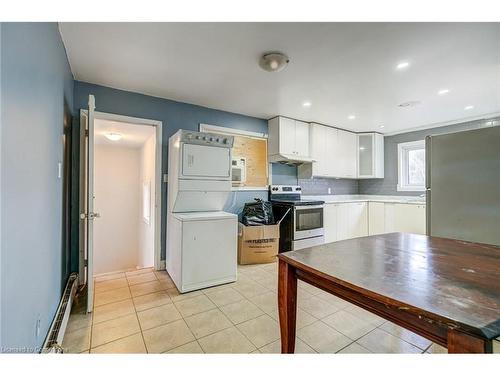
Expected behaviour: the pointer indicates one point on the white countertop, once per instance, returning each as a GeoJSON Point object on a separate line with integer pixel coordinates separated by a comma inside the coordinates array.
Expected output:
{"type": "Point", "coordinates": [367, 198]}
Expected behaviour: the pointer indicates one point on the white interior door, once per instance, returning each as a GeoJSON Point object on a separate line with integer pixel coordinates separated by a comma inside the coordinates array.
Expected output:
{"type": "Point", "coordinates": [87, 214]}
{"type": "Point", "coordinates": [90, 199]}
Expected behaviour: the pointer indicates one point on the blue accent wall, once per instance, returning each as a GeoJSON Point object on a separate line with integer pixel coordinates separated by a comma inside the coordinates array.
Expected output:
{"type": "Point", "coordinates": [35, 82]}
{"type": "Point", "coordinates": [174, 116]}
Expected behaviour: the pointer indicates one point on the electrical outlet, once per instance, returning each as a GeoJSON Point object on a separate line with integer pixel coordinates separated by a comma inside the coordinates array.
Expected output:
{"type": "Point", "coordinates": [59, 170]}
{"type": "Point", "coordinates": [329, 190]}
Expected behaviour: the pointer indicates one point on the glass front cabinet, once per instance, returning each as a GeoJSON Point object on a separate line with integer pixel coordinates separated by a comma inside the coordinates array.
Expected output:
{"type": "Point", "coordinates": [370, 155]}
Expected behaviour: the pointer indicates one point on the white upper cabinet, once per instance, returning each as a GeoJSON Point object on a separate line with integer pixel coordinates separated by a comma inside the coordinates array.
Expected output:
{"type": "Point", "coordinates": [286, 136]}
{"type": "Point", "coordinates": [302, 138]}
{"type": "Point", "coordinates": [370, 155]}
{"type": "Point", "coordinates": [318, 151]}
{"type": "Point", "coordinates": [346, 155]}
{"type": "Point", "coordinates": [334, 152]}
{"type": "Point", "coordinates": [289, 138]}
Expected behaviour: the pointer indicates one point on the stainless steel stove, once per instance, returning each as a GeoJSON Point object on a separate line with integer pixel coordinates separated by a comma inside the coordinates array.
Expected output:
{"type": "Point", "coordinates": [303, 225]}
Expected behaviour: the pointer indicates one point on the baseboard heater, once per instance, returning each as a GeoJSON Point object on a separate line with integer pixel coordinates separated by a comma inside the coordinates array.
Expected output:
{"type": "Point", "coordinates": [54, 338]}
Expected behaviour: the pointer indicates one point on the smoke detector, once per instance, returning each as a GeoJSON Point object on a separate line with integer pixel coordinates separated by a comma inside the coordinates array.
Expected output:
{"type": "Point", "coordinates": [412, 103]}
{"type": "Point", "coordinates": [273, 61]}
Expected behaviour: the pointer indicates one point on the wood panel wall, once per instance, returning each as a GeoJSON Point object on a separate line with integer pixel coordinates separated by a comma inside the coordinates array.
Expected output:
{"type": "Point", "coordinates": [255, 152]}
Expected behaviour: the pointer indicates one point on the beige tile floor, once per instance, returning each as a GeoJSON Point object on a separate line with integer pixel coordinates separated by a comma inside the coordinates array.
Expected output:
{"type": "Point", "coordinates": [142, 312]}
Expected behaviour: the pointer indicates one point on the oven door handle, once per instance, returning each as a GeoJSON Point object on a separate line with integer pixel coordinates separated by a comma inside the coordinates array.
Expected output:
{"type": "Point", "coordinates": [297, 208]}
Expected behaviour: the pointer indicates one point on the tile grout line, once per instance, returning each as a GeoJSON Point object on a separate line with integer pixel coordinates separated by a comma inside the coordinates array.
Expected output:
{"type": "Point", "coordinates": [114, 319]}
{"type": "Point", "coordinates": [187, 325]}
{"type": "Point", "coordinates": [139, 321]}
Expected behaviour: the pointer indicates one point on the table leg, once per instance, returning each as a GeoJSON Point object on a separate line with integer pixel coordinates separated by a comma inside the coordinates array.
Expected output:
{"type": "Point", "coordinates": [287, 304]}
{"type": "Point", "coordinates": [460, 342]}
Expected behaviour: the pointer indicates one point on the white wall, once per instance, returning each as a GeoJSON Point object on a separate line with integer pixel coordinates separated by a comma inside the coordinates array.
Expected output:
{"type": "Point", "coordinates": [118, 200]}
{"type": "Point", "coordinates": [146, 231]}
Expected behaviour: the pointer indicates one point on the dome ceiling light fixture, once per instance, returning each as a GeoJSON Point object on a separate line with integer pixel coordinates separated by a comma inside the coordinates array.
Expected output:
{"type": "Point", "coordinates": [273, 61]}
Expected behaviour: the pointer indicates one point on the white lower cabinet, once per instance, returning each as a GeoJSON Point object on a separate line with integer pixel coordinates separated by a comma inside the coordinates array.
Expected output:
{"type": "Point", "coordinates": [396, 217]}
{"type": "Point", "coordinates": [345, 220]}
{"type": "Point", "coordinates": [376, 218]}
{"type": "Point", "coordinates": [409, 218]}
{"type": "Point", "coordinates": [330, 222]}
{"type": "Point", "coordinates": [357, 219]}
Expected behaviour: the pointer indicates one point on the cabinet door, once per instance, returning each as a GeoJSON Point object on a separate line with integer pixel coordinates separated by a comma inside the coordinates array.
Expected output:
{"type": "Point", "coordinates": [317, 149]}
{"type": "Point", "coordinates": [421, 219]}
{"type": "Point", "coordinates": [286, 136]}
{"type": "Point", "coordinates": [409, 218]}
{"type": "Point", "coordinates": [365, 155]}
{"type": "Point", "coordinates": [376, 218]}
{"type": "Point", "coordinates": [332, 166]}
{"type": "Point", "coordinates": [330, 222]}
{"type": "Point", "coordinates": [389, 217]}
{"type": "Point", "coordinates": [343, 222]}
{"type": "Point", "coordinates": [347, 153]}
{"type": "Point", "coordinates": [358, 219]}
{"type": "Point", "coordinates": [301, 138]}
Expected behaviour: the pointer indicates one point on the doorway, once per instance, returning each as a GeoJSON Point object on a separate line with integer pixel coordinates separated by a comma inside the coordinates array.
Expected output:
{"type": "Point", "coordinates": [124, 190]}
{"type": "Point", "coordinates": [120, 195]}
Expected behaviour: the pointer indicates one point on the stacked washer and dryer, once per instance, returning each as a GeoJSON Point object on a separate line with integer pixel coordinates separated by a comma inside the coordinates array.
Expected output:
{"type": "Point", "coordinates": [201, 237]}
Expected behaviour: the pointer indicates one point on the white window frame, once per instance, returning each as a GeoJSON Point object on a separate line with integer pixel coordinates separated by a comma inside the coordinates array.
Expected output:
{"type": "Point", "coordinates": [403, 149]}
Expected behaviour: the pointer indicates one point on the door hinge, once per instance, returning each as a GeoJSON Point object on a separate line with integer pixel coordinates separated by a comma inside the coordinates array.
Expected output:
{"type": "Point", "coordinates": [86, 132]}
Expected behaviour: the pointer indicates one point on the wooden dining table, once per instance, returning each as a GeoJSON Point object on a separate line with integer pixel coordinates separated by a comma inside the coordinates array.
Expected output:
{"type": "Point", "coordinates": [445, 290]}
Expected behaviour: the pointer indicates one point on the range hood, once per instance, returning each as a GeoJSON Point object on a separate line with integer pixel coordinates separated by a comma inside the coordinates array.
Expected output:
{"type": "Point", "coordinates": [290, 159]}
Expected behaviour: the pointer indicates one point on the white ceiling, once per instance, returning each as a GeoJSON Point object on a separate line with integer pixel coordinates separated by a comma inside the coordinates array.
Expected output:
{"type": "Point", "coordinates": [132, 135]}
{"type": "Point", "coordinates": [341, 68]}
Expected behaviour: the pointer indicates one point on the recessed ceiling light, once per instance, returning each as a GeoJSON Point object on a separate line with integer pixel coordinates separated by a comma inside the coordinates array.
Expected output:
{"type": "Point", "coordinates": [411, 103]}
{"type": "Point", "coordinates": [469, 107]}
{"type": "Point", "coordinates": [382, 126]}
{"type": "Point", "coordinates": [402, 65]}
{"type": "Point", "coordinates": [351, 117]}
{"type": "Point", "coordinates": [113, 136]}
{"type": "Point", "coordinates": [443, 92]}
{"type": "Point", "coordinates": [306, 104]}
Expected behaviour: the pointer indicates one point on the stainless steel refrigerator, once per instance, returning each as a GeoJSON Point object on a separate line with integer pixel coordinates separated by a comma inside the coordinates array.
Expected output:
{"type": "Point", "coordinates": [463, 185]}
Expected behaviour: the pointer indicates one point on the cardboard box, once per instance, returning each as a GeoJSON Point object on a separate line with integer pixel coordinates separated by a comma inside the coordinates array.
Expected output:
{"type": "Point", "coordinates": [258, 244]}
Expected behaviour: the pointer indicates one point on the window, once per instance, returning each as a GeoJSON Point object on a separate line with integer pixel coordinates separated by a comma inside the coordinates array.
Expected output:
{"type": "Point", "coordinates": [411, 165]}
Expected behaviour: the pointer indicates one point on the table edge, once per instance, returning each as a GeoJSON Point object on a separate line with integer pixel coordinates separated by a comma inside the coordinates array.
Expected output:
{"type": "Point", "coordinates": [479, 331]}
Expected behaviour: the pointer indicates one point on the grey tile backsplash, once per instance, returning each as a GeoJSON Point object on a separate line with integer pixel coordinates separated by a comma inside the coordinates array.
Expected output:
{"type": "Point", "coordinates": [319, 186]}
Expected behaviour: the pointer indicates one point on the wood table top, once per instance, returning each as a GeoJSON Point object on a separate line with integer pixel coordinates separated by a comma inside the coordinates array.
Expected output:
{"type": "Point", "coordinates": [453, 282]}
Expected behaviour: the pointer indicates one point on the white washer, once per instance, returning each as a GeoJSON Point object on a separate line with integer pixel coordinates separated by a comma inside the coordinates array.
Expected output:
{"type": "Point", "coordinates": [204, 249]}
